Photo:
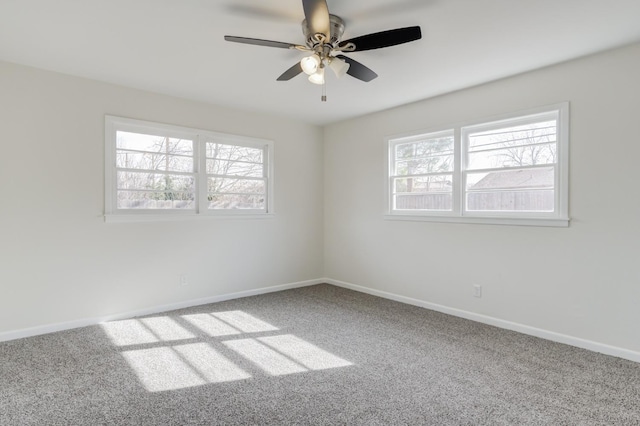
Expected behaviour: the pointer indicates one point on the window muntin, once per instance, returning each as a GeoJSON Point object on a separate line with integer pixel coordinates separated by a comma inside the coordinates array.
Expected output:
{"type": "Point", "coordinates": [514, 168]}
{"type": "Point", "coordinates": [154, 168]}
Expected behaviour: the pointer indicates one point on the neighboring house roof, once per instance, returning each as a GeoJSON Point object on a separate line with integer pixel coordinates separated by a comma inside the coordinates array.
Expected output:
{"type": "Point", "coordinates": [531, 178]}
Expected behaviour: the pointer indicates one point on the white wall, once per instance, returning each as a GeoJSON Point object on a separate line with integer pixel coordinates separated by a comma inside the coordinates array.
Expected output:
{"type": "Point", "coordinates": [59, 260]}
{"type": "Point", "coordinates": [582, 281]}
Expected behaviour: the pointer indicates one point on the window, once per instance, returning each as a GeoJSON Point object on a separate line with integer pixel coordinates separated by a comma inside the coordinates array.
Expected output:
{"type": "Point", "coordinates": [511, 170]}
{"type": "Point", "coordinates": [163, 171]}
{"type": "Point", "coordinates": [423, 172]}
{"type": "Point", "coordinates": [235, 176]}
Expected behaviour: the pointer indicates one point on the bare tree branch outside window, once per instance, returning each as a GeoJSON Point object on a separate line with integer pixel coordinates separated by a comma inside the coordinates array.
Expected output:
{"type": "Point", "coordinates": [235, 176]}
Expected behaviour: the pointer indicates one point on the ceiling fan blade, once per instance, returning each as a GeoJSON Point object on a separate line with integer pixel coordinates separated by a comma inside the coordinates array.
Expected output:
{"type": "Point", "coordinates": [317, 14]}
{"type": "Point", "coordinates": [383, 39]}
{"type": "Point", "coordinates": [291, 72]}
{"type": "Point", "coordinates": [357, 70]}
{"type": "Point", "coordinates": [260, 42]}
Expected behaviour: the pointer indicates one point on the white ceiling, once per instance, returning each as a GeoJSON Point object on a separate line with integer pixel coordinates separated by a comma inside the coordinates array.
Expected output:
{"type": "Point", "coordinates": [176, 47]}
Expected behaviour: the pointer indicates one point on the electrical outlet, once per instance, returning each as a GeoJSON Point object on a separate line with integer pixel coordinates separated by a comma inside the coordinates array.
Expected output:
{"type": "Point", "coordinates": [477, 290]}
{"type": "Point", "coordinates": [184, 279]}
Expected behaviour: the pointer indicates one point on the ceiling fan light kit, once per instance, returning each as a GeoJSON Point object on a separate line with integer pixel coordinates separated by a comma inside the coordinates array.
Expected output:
{"type": "Point", "coordinates": [323, 33]}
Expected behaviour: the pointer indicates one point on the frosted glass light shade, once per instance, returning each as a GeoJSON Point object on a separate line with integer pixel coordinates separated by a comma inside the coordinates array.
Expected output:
{"type": "Point", "coordinates": [339, 66]}
{"type": "Point", "coordinates": [310, 64]}
{"type": "Point", "coordinates": [318, 77]}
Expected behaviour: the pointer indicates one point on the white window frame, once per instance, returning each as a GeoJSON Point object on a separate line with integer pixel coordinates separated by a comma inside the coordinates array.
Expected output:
{"type": "Point", "coordinates": [113, 124]}
{"type": "Point", "coordinates": [558, 218]}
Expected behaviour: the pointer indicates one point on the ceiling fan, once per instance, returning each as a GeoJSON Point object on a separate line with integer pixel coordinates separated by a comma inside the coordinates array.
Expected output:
{"type": "Point", "coordinates": [323, 32]}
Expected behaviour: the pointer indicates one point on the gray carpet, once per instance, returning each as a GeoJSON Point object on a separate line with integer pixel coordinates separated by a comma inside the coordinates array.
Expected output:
{"type": "Point", "coordinates": [317, 355]}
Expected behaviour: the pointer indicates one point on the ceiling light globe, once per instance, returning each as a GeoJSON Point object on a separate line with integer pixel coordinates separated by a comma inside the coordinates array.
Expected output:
{"type": "Point", "coordinates": [318, 77]}
{"type": "Point", "coordinates": [339, 66]}
{"type": "Point", "coordinates": [310, 64]}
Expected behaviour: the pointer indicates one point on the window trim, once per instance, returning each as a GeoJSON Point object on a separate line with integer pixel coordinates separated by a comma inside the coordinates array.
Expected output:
{"type": "Point", "coordinates": [113, 124]}
{"type": "Point", "coordinates": [558, 218]}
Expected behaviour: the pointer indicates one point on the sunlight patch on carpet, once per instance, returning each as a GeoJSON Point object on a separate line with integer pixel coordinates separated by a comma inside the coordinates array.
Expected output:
{"type": "Point", "coordinates": [211, 365]}
{"type": "Point", "coordinates": [145, 330]}
{"type": "Point", "coordinates": [304, 352]}
{"type": "Point", "coordinates": [244, 322]}
{"type": "Point", "coordinates": [267, 359]}
{"type": "Point", "coordinates": [167, 329]}
{"type": "Point", "coordinates": [182, 366]}
{"type": "Point", "coordinates": [210, 325]}
{"type": "Point", "coordinates": [161, 369]}
{"type": "Point", "coordinates": [129, 332]}
{"type": "Point", "coordinates": [163, 361]}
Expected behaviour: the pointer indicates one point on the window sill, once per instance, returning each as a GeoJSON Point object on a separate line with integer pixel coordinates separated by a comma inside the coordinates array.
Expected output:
{"type": "Point", "coordinates": [137, 218]}
{"type": "Point", "coordinates": [511, 221]}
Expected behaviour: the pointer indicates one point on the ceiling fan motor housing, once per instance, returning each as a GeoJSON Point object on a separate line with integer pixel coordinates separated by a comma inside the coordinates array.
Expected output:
{"type": "Point", "coordinates": [336, 28]}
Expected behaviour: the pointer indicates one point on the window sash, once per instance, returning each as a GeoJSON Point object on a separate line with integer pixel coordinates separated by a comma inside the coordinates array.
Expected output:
{"type": "Point", "coordinates": [423, 198]}
{"type": "Point", "coordinates": [502, 126]}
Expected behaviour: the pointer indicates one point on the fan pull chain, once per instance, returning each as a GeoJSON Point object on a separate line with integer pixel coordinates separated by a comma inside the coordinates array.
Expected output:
{"type": "Point", "coordinates": [323, 98]}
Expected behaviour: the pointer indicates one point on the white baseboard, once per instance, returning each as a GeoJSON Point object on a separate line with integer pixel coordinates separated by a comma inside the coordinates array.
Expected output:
{"type": "Point", "coordinates": [51, 328]}
{"type": "Point", "coordinates": [521, 328]}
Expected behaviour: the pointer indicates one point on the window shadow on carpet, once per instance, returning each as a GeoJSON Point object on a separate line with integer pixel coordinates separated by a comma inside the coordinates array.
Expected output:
{"type": "Point", "coordinates": [169, 353]}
